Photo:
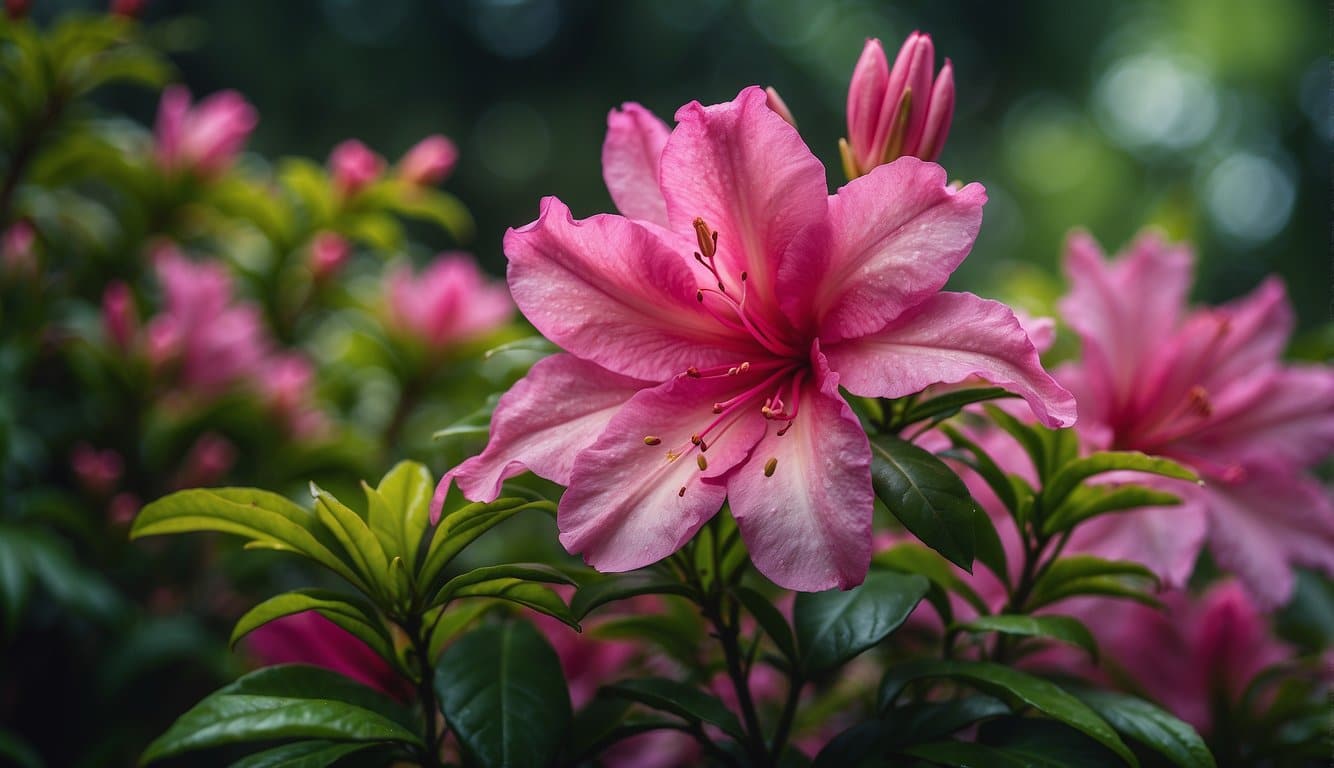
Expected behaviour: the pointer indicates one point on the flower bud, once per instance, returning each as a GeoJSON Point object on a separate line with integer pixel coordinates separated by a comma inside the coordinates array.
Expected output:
{"type": "Point", "coordinates": [120, 321]}
{"type": "Point", "coordinates": [206, 138]}
{"type": "Point", "coordinates": [779, 106]}
{"type": "Point", "coordinates": [208, 462]}
{"type": "Point", "coordinates": [18, 257]}
{"type": "Point", "coordinates": [328, 253]}
{"type": "Point", "coordinates": [98, 472]}
{"type": "Point", "coordinates": [354, 166]}
{"type": "Point", "coordinates": [899, 111]}
{"type": "Point", "coordinates": [429, 162]}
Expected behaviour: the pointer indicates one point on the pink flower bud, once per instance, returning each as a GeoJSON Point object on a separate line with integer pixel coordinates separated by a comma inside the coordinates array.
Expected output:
{"type": "Point", "coordinates": [328, 253]}
{"type": "Point", "coordinates": [449, 302]}
{"type": "Point", "coordinates": [98, 472]}
{"type": "Point", "coordinates": [208, 462]}
{"type": "Point", "coordinates": [354, 166]}
{"type": "Point", "coordinates": [123, 508]}
{"type": "Point", "coordinates": [131, 9]}
{"type": "Point", "coordinates": [429, 162]}
{"type": "Point", "coordinates": [120, 321]}
{"type": "Point", "coordinates": [288, 385]}
{"type": "Point", "coordinates": [777, 104]}
{"type": "Point", "coordinates": [897, 112]}
{"type": "Point", "coordinates": [205, 139]}
{"type": "Point", "coordinates": [18, 257]}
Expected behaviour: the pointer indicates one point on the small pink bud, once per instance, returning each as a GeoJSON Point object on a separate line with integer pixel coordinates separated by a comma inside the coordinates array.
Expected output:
{"type": "Point", "coordinates": [205, 139]}
{"type": "Point", "coordinates": [329, 251]}
{"type": "Point", "coordinates": [429, 162]}
{"type": "Point", "coordinates": [123, 508]}
{"type": "Point", "coordinates": [120, 321]}
{"type": "Point", "coordinates": [209, 460]}
{"type": "Point", "coordinates": [18, 257]}
{"type": "Point", "coordinates": [897, 112]}
{"type": "Point", "coordinates": [777, 104]}
{"type": "Point", "coordinates": [130, 9]}
{"type": "Point", "coordinates": [98, 472]}
{"type": "Point", "coordinates": [354, 166]}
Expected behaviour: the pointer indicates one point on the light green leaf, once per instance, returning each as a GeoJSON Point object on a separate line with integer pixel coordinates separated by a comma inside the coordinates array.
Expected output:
{"type": "Point", "coordinates": [1072, 474]}
{"type": "Point", "coordinates": [461, 527]}
{"type": "Point", "coordinates": [351, 613]}
{"type": "Point", "coordinates": [530, 572]}
{"type": "Point", "coordinates": [406, 490]}
{"type": "Point", "coordinates": [357, 540]}
{"type": "Point", "coordinates": [1086, 574]}
{"type": "Point", "coordinates": [1089, 501]}
{"type": "Point", "coordinates": [521, 592]}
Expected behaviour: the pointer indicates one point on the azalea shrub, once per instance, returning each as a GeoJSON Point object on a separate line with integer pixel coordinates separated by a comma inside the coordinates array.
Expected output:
{"type": "Point", "coordinates": [724, 477]}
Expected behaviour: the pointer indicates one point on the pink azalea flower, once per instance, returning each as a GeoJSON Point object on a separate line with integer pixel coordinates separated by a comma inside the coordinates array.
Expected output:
{"type": "Point", "coordinates": [207, 462]}
{"type": "Point", "coordinates": [449, 302]}
{"type": "Point", "coordinates": [309, 638]}
{"type": "Point", "coordinates": [99, 472]}
{"type": "Point", "coordinates": [329, 251]}
{"type": "Point", "coordinates": [693, 379]}
{"type": "Point", "coordinates": [897, 112]}
{"type": "Point", "coordinates": [430, 161]}
{"type": "Point", "coordinates": [205, 139]}
{"type": "Point", "coordinates": [120, 320]}
{"type": "Point", "coordinates": [354, 166]}
{"type": "Point", "coordinates": [1207, 388]}
{"type": "Point", "coordinates": [288, 385]}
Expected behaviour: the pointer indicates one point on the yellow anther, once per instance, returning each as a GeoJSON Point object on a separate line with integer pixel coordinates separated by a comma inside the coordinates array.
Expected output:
{"type": "Point", "coordinates": [702, 462]}
{"type": "Point", "coordinates": [770, 466]}
{"type": "Point", "coordinates": [652, 440]}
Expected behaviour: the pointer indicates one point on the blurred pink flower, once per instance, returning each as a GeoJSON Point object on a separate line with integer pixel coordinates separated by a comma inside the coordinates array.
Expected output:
{"type": "Point", "coordinates": [99, 472]}
{"type": "Point", "coordinates": [1208, 388]}
{"type": "Point", "coordinates": [897, 112]}
{"type": "Point", "coordinates": [354, 166]}
{"type": "Point", "coordinates": [120, 320]}
{"type": "Point", "coordinates": [123, 507]}
{"type": "Point", "coordinates": [288, 384]}
{"type": "Point", "coordinates": [205, 139]}
{"type": "Point", "coordinates": [18, 257]}
{"type": "Point", "coordinates": [207, 462]}
{"type": "Point", "coordinates": [329, 251]}
{"type": "Point", "coordinates": [128, 8]}
{"type": "Point", "coordinates": [430, 161]}
{"type": "Point", "coordinates": [448, 302]}
{"type": "Point", "coordinates": [309, 638]}
{"type": "Point", "coordinates": [740, 350]}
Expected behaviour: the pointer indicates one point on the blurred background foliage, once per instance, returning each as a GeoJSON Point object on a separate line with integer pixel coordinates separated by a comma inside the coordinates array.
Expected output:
{"type": "Point", "coordinates": [1208, 118]}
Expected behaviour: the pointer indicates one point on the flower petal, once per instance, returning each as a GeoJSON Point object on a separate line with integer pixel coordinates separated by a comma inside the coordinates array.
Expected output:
{"type": "Point", "coordinates": [542, 423]}
{"type": "Point", "coordinates": [1262, 527]}
{"type": "Point", "coordinates": [630, 158]}
{"type": "Point", "coordinates": [891, 241]}
{"type": "Point", "coordinates": [807, 525]}
{"type": "Point", "coordinates": [625, 508]}
{"type": "Point", "coordinates": [748, 174]}
{"type": "Point", "coordinates": [948, 338]}
{"type": "Point", "coordinates": [611, 291]}
{"type": "Point", "coordinates": [1166, 540]}
{"type": "Point", "coordinates": [1282, 418]}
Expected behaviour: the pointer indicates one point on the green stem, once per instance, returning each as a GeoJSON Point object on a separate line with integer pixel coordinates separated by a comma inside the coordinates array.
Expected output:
{"type": "Point", "coordinates": [425, 691]}
{"type": "Point", "coordinates": [795, 682]}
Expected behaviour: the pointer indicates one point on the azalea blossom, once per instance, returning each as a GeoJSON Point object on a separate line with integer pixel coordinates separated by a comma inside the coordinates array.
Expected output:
{"type": "Point", "coordinates": [708, 331]}
{"type": "Point", "coordinates": [329, 252]}
{"type": "Point", "coordinates": [354, 166]}
{"type": "Point", "coordinates": [449, 302]}
{"type": "Point", "coordinates": [897, 112]}
{"type": "Point", "coordinates": [1207, 388]}
{"type": "Point", "coordinates": [430, 161]}
{"type": "Point", "coordinates": [205, 138]}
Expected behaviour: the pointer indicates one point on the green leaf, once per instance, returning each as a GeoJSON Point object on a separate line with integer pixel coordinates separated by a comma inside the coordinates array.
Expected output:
{"type": "Point", "coordinates": [432, 205]}
{"type": "Point", "coordinates": [1086, 574]}
{"type": "Point", "coordinates": [596, 593]}
{"type": "Point", "coordinates": [832, 627]}
{"type": "Point", "coordinates": [910, 557]}
{"type": "Point", "coordinates": [925, 495]}
{"type": "Point", "coordinates": [520, 592]}
{"type": "Point", "coordinates": [357, 540]}
{"type": "Point", "coordinates": [684, 701]}
{"type": "Point", "coordinates": [352, 614]}
{"type": "Point", "coordinates": [538, 344]}
{"type": "Point", "coordinates": [1063, 628]}
{"type": "Point", "coordinates": [502, 691]}
{"type": "Point", "coordinates": [286, 702]}
{"type": "Point", "coordinates": [679, 638]}
{"type": "Point", "coordinates": [1150, 726]}
{"type": "Point", "coordinates": [461, 527]}
{"type": "Point", "coordinates": [594, 727]}
{"type": "Point", "coordinates": [302, 754]}
{"type": "Point", "coordinates": [270, 520]}
{"type": "Point", "coordinates": [1069, 476]}
{"type": "Point", "coordinates": [914, 723]}
{"type": "Point", "coordinates": [770, 619]}
{"type": "Point", "coordinates": [530, 572]}
{"type": "Point", "coordinates": [950, 403]}
{"type": "Point", "coordinates": [17, 752]}
{"type": "Point", "coordinates": [456, 619]}
{"type": "Point", "coordinates": [1000, 680]}
{"type": "Point", "coordinates": [1089, 501]}
{"type": "Point", "coordinates": [988, 547]}
{"type": "Point", "coordinates": [1027, 436]}
{"type": "Point", "coordinates": [1020, 743]}
{"type": "Point", "coordinates": [407, 491]}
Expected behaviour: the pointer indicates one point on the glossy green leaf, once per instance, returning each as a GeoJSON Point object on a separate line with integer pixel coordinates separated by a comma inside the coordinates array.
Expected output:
{"type": "Point", "coordinates": [268, 519]}
{"type": "Point", "coordinates": [302, 754]}
{"type": "Point", "coordinates": [678, 636]}
{"type": "Point", "coordinates": [987, 546]}
{"type": "Point", "coordinates": [910, 557]}
{"type": "Point", "coordinates": [531, 572]}
{"type": "Point", "coordinates": [594, 727]}
{"type": "Point", "coordinates": [1072, 474]}
{"type": "Point", "coordinates": [872, 741]}
{"type": "Point", "coordinates": [406, 490]}
{"type": "Point", "coordinates": [684, 701]}
{"type": "Point", "coordinates": [456, 619]}
{"type": "Point", "coordinates": [463, 526]}
{"type": "Point", "coordinates": [1020, 743]}
{"type": "Point", "coordinates": [999, 680]}
{"type": "Point", "coordinates": [1026, 435]}
{"type": "Point", "coordinates": [925, 495]}
{"type": "Point", "coordinates": [1150, 726]}
{"type": "Point", "coordinates": [502, 691]}
{"type": "Point", "coordinates": [608, 589]}
{"type": "Point", "coordinates": [1089, 501]}
{"type": "Point", "coordinates": [1086, 574]}
{"type": "Point", "coordinates": [286, 702]}
{"type": "Point", "coordinates": [1062, 628]}
{"type": "Point", "coordinates": [351, 613]}
{"type": "Point", "coordinates": [950, 403]}
{"type": "Point", "coordinates": [521, 592]}
{"type": "Point", "coordinates": [834, 626]}
{"type": "Point", "coordinates": [770, 619]}
{"type": "Point", "coordinates": [356, 537]}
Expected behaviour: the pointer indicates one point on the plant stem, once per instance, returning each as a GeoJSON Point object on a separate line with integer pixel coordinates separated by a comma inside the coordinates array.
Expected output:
{"type": "Point", "coordinates": [24, 153]}
{"type": "Point", "coordinates": [425, 691]}
{"type": "Point", "coordinates": [795, 682]}
{"type": "Point", "coordinates": [727, 636]}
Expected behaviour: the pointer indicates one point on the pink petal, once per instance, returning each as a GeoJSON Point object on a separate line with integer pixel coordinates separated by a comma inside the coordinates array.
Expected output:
{"type": "Point", "coordinates": [542, 423]}
{"type": "Point", "coordinates": [1166, 540]}
{"type": "Point", "coordinates": [940, 114]}
{"type": "Point", "coordinates": [612, 292]}
{"type": "Point", "coordinates": [948, 338]}
{"type": "Point", "coordinates": [748, 174]}
{"type": "Point", "coordinates": [892, 239]}
{"type": "Point", "coordinates": [625, 508]}
{"type": "Point", "coordinates": [865, 95]}
{"type": "Point", "coordinates": [630, 158]}
{"type": "Point", "coordinates": [1256, 334]}
{"type": "Point", "coordinates": [1262, 527]}
{"type": "Point", "coordinates": [808, 525]}
{"type": "Point", "coordinates": [1282, 418]}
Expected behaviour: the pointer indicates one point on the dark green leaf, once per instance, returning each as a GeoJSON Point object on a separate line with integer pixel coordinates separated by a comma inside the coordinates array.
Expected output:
{"type": "Point", "coordinates": [983, 464]}
{"type": "Point", "coordinates": [950, 403]}
{"type": "Point", "coordinates": [1063, 628]}
{"type": "Point", "coordinates": [679, 639]}
{"type": "Point", "coordinates": [914, 558]}
{"type": "Point", "coordinates": [832, 627]}
{"type": "Point", "coordinates": [532, 572]}
{"type": "Point", "coordinates": [593, 727]}
{"type": "Point", "coordinates": [680, 699]}
{"type": "Point", "coordinates": [455, 620]}
{"type": "Point", "coordinates": [502, 691]}
{"type": "Point", "coordinates": [1075, 472]}
{"type": "Point", "coordinates": [870, 743]}
{"type": "Point", "coordinates": [302, 754]}
{"type": "Point", "coordinates": [1150, 726]}
{"type": "Point", "coordinates": [352, 614]}
{"type": "Point", "coordinates": [608, 589]}
{"type": "Point", "coordinates": [1000, 680]}
{"type": "Point", "coordinates": [925, 495]}
{"type": "Point", "coordinates": [1046, 743]}
{"type": "Point", "coordinates": [520, 592]}
{"type": "Point", "coordinates": [286, 702]}
{"type": "Point", "coordinates": [1089, 501]}
{"type": "Point", "coordinates": [769, 618]}
{"type": "Point", "coordinates": [988, 547]}
{"type": "Point", "coordinates": [1086, 574]}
